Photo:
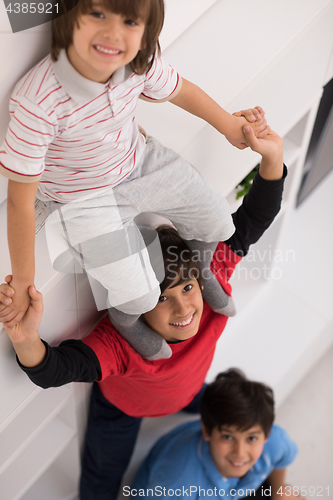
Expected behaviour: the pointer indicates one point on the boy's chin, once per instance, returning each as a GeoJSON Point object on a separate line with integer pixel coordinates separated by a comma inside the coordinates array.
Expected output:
{"type": "Point", "coordinates": [186, 335]}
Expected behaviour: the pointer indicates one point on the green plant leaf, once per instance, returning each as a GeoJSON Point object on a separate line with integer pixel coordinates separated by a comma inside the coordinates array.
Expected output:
{"type": "Point", "coordinates": [246, 182]}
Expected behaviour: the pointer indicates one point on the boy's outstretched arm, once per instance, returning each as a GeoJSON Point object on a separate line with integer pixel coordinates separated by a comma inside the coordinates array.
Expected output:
{"type": "Point", "coordinates": [21, 243]}
{"type": "Point", "coordinates": [24, 335]}
{"type": "Point", "coordinates": [271, 149]}
{"type": "Point", "coordinates": [193, 99]}
{"type": "Point", "coordinates": [280, 490]}
{"type": "Point", "coordinates": [263, 201]}
{"type": "Point", "coordinates": [72, 361]}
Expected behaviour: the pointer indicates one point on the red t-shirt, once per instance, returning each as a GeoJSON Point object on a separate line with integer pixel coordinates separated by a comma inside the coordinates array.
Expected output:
{"type": "Point", "coordinates": [143, 388]}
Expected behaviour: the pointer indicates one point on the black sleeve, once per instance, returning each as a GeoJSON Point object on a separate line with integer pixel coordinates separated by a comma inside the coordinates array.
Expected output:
{"type": "Point", "coordinates": [258, 210]}
{"type": "Point", "coordinates": [71, 361]}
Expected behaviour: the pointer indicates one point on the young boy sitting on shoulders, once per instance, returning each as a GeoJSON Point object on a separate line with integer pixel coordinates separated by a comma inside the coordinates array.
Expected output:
{"type": "Point", "coordinates": [73, 141]}
{"type": "Point", "coordinates": [231, 452]}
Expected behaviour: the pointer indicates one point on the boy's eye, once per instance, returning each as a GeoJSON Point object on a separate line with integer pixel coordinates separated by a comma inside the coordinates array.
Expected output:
{"type": "Point", "coordinates": [98, 15]}
{"type": "Point", "coordinates": [130, 22]}
{"type": "Point", "coordinates": [226, 437]}
{"type": "Point", "coordinates": [188, 287]}
{"type": "Point", "coordinates": [253, 439]}
{"type": "Point", "coordinates": [162, 298]}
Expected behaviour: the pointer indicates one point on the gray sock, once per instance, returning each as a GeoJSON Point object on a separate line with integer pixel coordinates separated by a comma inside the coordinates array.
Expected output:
{"type": "Point", "coordinates": [213, 292]}
{"type": "Point", "coordinates": [149, 344]}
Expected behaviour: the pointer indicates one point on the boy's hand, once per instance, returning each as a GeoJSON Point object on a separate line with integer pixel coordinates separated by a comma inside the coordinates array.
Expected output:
{"type": "Point", "coordinates": [269, 147]}
{"type": "Point", "coordinates": [6, 292]}
{"type": "Point", "coordinates": [13, 309]}
{"type": "Point", "coordinates": [25, 338]}
{"type": "Point", "coordinates": [29, 324]}
{"type": "Point", "coordinates": [254, 116]}
{"type": "Point", "coordinates": [271, 150]}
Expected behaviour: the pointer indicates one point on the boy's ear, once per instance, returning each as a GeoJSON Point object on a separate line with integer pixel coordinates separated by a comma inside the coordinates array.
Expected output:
{"type": "Point", "coordinates": [205, 433]}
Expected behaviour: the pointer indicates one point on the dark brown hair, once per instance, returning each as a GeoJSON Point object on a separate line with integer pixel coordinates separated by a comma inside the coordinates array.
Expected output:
{"type": "Point", "coordinates": [179, 262]}
{"type": "Point", "coordinates": [232, 400]}
{"type": "Point", "coordinates": [151, 11]}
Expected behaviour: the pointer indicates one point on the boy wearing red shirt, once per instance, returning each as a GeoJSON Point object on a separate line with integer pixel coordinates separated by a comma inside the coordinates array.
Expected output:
{"type": "Point", "coordinates": [129, 387]}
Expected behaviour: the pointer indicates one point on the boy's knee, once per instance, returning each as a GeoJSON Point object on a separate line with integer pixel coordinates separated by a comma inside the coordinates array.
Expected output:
{"type": "Point", "coordinates": [141, 304]}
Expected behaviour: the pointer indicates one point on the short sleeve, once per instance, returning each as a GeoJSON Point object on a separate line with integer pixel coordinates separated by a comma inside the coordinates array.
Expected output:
{"type": "Point", "coordinates": [281, 448]}
{"type": "Point", "coordinates": [108, 349]}
{"type": "Point", "coordinates": [29, 134]}
{"type": "Point", "coordinates": [162, 82]}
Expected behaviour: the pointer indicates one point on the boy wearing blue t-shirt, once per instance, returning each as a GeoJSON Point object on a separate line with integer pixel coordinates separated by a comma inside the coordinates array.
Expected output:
{"type": "Point", "coordinates": [235, 451]}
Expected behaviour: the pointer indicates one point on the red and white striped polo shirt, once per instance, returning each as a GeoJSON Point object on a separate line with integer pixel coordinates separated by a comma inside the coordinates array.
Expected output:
{"type": "Point", "coordinates": [74, 135]}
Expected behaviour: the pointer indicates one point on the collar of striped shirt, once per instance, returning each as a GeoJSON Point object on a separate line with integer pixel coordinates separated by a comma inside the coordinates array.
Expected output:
{"type": "Point", "coordinates": [79, 88]}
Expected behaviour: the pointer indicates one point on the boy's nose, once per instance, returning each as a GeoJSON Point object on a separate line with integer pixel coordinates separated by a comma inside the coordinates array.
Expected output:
{"type": "Point", "coordinates": [112, 29]}
{"type": "Point", "coordinates": [238, 449]}
{"type": "Point", "coordinates": [181, 308]}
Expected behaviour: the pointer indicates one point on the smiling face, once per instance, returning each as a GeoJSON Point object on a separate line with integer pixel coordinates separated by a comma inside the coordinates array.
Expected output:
{"type": "Point", "coordinates": [103, 42]}
{"type": "Point", "coordinates": [178, 312]}
{"type": "Point", "coordinates": [234, 452]}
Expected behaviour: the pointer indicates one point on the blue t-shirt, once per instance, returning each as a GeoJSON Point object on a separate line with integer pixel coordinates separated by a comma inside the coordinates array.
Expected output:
{"type": "Point", "coordinates": [180, 465]}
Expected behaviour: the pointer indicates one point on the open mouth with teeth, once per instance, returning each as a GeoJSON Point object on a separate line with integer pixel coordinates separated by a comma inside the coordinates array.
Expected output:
{"type": "Point", "coordinates": [238, 465]}
{"type": "Point", "coordinates": [104, 50]}
{"type": "Point", "coordinates": [184, 324]}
